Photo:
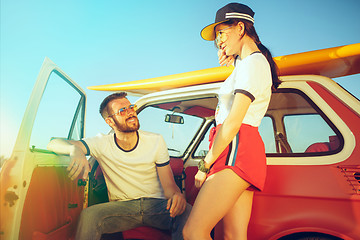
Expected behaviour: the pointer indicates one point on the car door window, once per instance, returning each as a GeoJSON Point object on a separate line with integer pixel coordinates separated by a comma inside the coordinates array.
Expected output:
{"type": "Point", "coordinates": [309, 133]}
{"type": "Point", "coordinates": [203, 148]}
{"type": "Point", "coordinates": [60, 113]}
{"type": "Point", "coordinates": [301, 128]}
{"type": "Point", "coordinates": [266, 130]}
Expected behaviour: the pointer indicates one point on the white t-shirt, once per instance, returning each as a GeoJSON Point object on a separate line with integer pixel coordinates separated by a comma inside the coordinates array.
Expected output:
{"type": "Point", "coordinates": [130, 174]}
{"type": "Point", "coordinates": [252, 77]}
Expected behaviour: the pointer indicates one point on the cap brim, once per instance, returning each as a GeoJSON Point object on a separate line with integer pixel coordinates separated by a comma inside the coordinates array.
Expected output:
{"type": "Point", "coordinates": [208, 32]}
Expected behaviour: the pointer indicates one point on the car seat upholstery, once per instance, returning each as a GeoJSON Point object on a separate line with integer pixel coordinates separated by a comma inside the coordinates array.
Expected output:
{"type": "Point", "coordinates": [318, 147]}
{"type": "Point", "coordinates": [333, 144]}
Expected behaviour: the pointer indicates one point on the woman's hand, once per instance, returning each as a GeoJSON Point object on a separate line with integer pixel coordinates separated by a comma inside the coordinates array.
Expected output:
{"type": "Point", "coordinates": [200, 178]}
{"type": "Point", "coordinates": [225, 60]}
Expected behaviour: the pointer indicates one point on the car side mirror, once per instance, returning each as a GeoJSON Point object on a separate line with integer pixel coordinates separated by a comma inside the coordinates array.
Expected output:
{"type": "Point", "coordinates": [172, 118]}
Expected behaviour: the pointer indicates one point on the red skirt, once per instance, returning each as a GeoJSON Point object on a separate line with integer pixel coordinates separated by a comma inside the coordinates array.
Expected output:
{"type": "Point", "coordinates": [245, 155]}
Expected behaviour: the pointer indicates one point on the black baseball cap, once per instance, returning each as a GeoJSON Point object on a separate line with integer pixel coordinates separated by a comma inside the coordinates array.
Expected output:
{"type": "Point", "coordinates": [224, 14]}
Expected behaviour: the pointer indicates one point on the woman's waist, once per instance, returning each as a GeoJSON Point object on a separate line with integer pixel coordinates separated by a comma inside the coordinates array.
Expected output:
{"type": "Point", "coordinates": [244, 127]}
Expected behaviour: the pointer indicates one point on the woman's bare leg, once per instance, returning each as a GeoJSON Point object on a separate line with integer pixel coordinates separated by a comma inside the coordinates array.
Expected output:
{"type": "Point", "coordinates": [236, 221]}
{"type": "Point", "coordinates": [217, 196]}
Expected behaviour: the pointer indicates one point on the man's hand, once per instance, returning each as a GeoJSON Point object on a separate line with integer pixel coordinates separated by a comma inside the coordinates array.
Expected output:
{"type": "Point", "coordinates": [176, 204]}
{"type": "Point", "coordinates": [200, 178]}
{"type": "Point", "coordinates": [76, 150]}
{"type": "Point", "coordinates": [78, 164]}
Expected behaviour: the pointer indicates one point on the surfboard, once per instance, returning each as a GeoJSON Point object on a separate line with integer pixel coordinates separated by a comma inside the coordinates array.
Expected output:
{"type": "Point", "coordinates": [330, 62]}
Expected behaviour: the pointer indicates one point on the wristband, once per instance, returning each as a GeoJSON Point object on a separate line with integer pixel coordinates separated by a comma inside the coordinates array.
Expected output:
{"type": "Point", "coordinates": [202, 167]}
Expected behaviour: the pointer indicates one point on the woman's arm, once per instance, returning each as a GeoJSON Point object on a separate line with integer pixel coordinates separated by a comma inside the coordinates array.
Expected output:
{"type": "Point", "coordinates": [226, 133]}
{"type": "Point", "coordinates": [229, 128]}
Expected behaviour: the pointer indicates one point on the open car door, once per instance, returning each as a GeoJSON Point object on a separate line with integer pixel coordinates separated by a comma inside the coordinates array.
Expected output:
{"type": "Point", "coordinates": [38, 200]}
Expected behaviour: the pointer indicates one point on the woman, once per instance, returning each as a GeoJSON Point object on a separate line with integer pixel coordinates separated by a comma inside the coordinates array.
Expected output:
{"type": "Point", "coordinates": [236, 163]}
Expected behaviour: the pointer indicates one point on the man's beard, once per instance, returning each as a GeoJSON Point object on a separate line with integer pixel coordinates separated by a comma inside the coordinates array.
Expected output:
{"type": "Point", "coordinates": [126, 128]}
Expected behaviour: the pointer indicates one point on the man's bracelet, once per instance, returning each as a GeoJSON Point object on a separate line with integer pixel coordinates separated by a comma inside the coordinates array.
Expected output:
{"type": "Point", "coordinates": [202, 167]}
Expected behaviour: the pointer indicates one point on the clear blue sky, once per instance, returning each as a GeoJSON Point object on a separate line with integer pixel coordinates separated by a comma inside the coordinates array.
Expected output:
{"type": "Point", "coordinates": [102, 42]}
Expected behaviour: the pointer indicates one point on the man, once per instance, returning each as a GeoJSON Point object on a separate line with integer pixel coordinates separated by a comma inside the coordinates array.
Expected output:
{"type": "Point", "coordinates": [141, 186]}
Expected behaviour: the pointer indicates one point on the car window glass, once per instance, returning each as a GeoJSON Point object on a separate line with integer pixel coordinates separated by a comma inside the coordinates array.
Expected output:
{"type": "Point", "coordinates": [308, 133]}
{"type": "Point", "coordinates": [60, 113]}
{"type": "Point", "coordinates": [266, 130]}
{"type": "Point", "coordinates": [203, 147]}
{"type": "Point", "coordinates": [300, 125]}
{"type": "Point", "coordinates": [177, 136]}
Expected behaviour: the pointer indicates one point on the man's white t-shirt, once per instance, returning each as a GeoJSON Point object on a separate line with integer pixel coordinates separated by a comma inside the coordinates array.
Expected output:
{"type": "Point", "coordinates": [130, 174]}
{"type": "Point", "coordinates": [252, 77]}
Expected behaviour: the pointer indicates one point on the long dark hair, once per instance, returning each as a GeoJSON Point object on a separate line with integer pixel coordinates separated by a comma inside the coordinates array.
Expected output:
{"type": "Point", "coordinates": [251, 32]}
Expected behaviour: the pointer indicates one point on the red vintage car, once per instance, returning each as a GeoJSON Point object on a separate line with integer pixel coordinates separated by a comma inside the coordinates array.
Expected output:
{"type": "Point", "coordinates": [311, 133]}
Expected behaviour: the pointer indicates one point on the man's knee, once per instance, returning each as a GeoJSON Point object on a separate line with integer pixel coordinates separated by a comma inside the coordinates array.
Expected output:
{"type": "Point", "coordinates": [89, 215]}
{"type": "Point", "coordinates": [88, 212]}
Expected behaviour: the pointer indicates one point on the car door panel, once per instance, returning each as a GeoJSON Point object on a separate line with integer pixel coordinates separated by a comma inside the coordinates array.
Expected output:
{"type": "Point", "coordinates": [38, 200]}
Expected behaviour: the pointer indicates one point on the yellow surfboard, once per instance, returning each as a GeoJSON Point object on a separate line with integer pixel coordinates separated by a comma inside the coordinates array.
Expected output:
{"type": "Point", "coordinates": [330, 62]}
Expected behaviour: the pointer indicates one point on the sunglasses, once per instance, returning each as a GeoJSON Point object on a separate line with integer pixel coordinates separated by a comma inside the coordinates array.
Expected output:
{"type": "Point", "coordinates": [220, 36]}
{"type": "Point", "coordinates": [124, 110]}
